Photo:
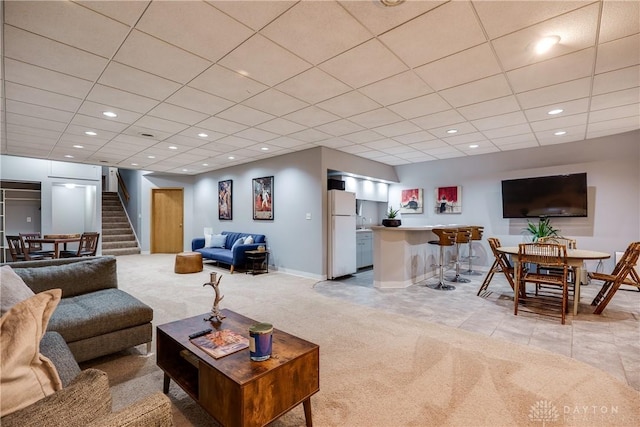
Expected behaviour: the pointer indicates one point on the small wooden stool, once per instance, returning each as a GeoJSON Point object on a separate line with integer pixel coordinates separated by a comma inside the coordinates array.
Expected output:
{"type": "Point", "coordinates": [188, 262]}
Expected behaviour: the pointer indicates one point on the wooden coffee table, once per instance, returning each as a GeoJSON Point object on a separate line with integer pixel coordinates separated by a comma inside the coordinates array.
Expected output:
{"type": "Point", "coordinates": [233, 389]}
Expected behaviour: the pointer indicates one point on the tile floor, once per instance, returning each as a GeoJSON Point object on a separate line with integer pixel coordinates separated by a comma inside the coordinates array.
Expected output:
{"type": "Point", "coordinates": [610, 341]}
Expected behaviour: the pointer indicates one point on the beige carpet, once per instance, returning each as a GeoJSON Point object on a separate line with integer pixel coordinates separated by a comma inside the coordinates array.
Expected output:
{"type": "Point", "coordinates": [376, 369]}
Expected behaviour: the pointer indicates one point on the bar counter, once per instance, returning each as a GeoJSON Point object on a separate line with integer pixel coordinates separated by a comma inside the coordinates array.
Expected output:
{"type": "Point", "coordinates": [402, 256]}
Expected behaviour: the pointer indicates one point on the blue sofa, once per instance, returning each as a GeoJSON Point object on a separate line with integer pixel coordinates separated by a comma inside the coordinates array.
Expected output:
{"type": "Point", "coordinates": [235, 258]}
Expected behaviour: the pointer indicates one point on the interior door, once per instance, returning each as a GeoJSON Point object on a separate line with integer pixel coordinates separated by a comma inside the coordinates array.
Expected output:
{"type": "Point", "coordinates": [167, 215]}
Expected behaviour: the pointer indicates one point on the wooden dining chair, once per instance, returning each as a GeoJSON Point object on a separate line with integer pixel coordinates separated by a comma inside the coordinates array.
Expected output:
{"type": "Point", "coordinates": [88, 246]}
{"type": "Point", "coordinates": [570, 244]}
{"type": "Point", "coordinates": [33, 247]}
{"type": "Point", "coordinates": [623, 273]}
{"type": "Point", "coordinates": [501, 264]}
{"type": "Point", "coordinates": [19, 252]}
{"type": "Point", "coordinates": [546, 254]}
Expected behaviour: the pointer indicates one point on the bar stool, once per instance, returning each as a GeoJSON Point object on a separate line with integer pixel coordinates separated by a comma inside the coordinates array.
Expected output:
{"type": "Point", "coordinates": [463, 235]}
{"type": "Point", "coordinates": [446, 237]}
{"type": "Point", "coordinates": [476, 234]}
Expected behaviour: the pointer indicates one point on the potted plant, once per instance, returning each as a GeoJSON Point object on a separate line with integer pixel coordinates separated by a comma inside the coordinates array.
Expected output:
{"type": "Point", "coordinates": [391, 220]}
{"type": "Point", "coordinates": [542, 229]}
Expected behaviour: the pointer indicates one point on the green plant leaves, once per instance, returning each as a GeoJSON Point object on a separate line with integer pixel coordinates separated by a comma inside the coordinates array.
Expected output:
{"type": "Point", "coordinates": [542, 229]}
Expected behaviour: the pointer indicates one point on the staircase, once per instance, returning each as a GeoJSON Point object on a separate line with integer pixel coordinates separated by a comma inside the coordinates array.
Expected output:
{"type": "Point", "coordinates": [117, 235]}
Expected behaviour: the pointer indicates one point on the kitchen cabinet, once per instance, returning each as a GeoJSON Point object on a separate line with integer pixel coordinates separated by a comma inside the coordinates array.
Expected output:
{"type": "Point", "coordinates": [364, 248]}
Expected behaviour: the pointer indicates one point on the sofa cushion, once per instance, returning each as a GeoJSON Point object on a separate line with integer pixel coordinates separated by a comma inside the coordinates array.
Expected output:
{"type": "Point", "coordinates": [223, 255]}
{"type": "Point", "coordinates": [26, 376]}
{"type": "Point", "coordinates": [248, 240]}
{"type": "Point", "coordinates": [101, 312]}
{"type": "Point", "coordinates": [238, 242]}
{"type": "Point", "coordinates": [54, 348]}
{"type": "Point", "coordinates": [207, 240]}
{"type": "Point", "coordinates": [12, 289]}
{"type": "Point", "coordinates": [217, 241]}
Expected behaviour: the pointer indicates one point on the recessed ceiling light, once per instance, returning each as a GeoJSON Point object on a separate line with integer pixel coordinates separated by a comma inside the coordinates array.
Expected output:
{"type": "Point", "coordinates": [134, 164]}
{"type": "Point", "coordinates": [151, 157]}
{"type": "Point", "coordinates": [78, 146]}
{"type": "Point", "coordinates": [205, 164]}
{"type": "Point", "coordinates": [173, 147]}
{"type": "Point", "coordinates": [546, 43]}
{"type": "Point", "coordinates": [185, 170]}
{"type": "Point", "coordinates": [243, 73]}
{"type": "Point", "coordinates": [452, 131]}
{"type": "Point", "coordinates": [474, 146]}
{"type": "Point", "coordinates": [68, 156]}
{"type": "Point", "coordinates": [391, 3]}
{"type": "Point", "coordinates": [109, 114]}
{"type": "Point", "coordinates": [556, 111]}
{"type": "Point", "coordinates": [560, 133]}
{"type": "Point", "coordinates": [230, 157]}
{"type": "Point", "coordinates": [90, 133]}
{"type": "Point", "coordinates": [265, 148]}
{"type": "Point", "coordinates": [202, 135]}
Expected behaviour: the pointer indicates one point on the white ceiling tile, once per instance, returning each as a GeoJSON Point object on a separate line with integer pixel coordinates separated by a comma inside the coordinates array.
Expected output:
{"type": "Point", "coordinates": [560, 122]}
{"type": "Point", "coordinates": [619, 19]}
{"type": "Point", "coordinates": [383, 144]}
{"type": "Point", "coordinates": [22, 139]}
{"type": "Point", "coordinates": [162, 125]}
{"type": "Point", "coordinates": [186, 141]}
{"type": "Point", "coordinates": [197, 100]}
{"type": "Point", "coordinates": [40, 97]}
{"type": "Point", "coordinates": [340, 127]}
{"type": "Point", "coordinates": [396, 129]}
{"type": "Point", "coordinates": [396, 88]}
{"type": "Point", "coordinates": [221, 125]}
{"type": "Point", "coordinates": [460, 128]}
{"type": "Point", "coordinates": [519, 145]}
{"type": "Point", "coordinates": [576, 31]}
{"type": "Point", "coordinates": [264, 61]}
{"type": "Point", "coordinates": [618, 54]}
{"type": "Point", "coordinates": [287, 142]}
{"type": "Point", "coordinates": [275, 102]}
{"type": "Point", "coordinates": [479, 147]}
{"type": "Point", "coordinates": [379, 117]}
{"type": "Point", "coordinates": [412, 138]}
{"type": "Point", "coordinates": [178, 114]}
{"type": "Point", "coordinates": [280, 126]}
{"type": "Point", "coordinates": [478, 91]}
{"type": "Point", "coordinates": [245, 115]}
{"type": "Point", "coordinates": [349, 104]}
{"type": "Point", "coordinates": [235, 142]}
{"type": "Point", "coordinates": [569, 107]}
{"type": "Point", "coordinates": [378, 18]}
{"type": "Point", "coordinates": [194, 133]}
{"type": "Point", "coordinates": [86, 141]}
{"type": "Point", "coordinates": [362, 136]}
{"type": "Point", "coordinates": [469, 65]}
{"type": "Point", "coordinates": [126, 12]}
{"type": "Point", "coordinates": [311, 116]}
{"type": "Point", "coordinates": [310, 135]}
{"type": "Point", "coordinates": [335, 142]}
{"type": "Point", "coordinates": [615, 99]}
{"type": "Point", "coordinates": [480, 110]}
{"type": "Point", "coordinates": [557, 70]}
{"type": "Point", "coordinates": [354, 149]}
{"type": "Point", "coordinates": [554, 94]}
{"type": "Point", "coordinates": [257, 135]}
{"type": "Point", "coordinates": [25, 109]}
{"type": "Point", "coordinates": [199, 28]}
{"type": "Point", "coordinates": [96, 123]}
{"type": "Point", "coordinates": [515, 118]}
{"type": "Point", "coordinates": [616, 80]}
{"type": "Point", "coordinates": [443, 31]}
{"type": "Point", "coordinates": [499, 18]}
{"type": "Point", "coordinates": [26, 121]}
{"type": "Point", "coordinates": [118, 98]}
{"type": "Point", "coordinates": [442, 118]}
{"type": "Point", "coordinates": [314, 85]}
{"type": "Point", "coordinates": [421, 106]}
{"type": "Point", "coordinates": [94, 109]}
{"type": "Point", "coordinates": [507, 131]}
{"type": "Point", "coordinates": [603, 128]}
{"type": "Point", "coordinates": [254, 14]}
{"type": "Point", "coordinates": [147, 133]}
{"type": "Point", "coordinates": [316, 31]}
{"type": "Point", "coordinates": [353, 67]}
{"type": "Point", "coordinates": [605, 132]}
{"type": "Point", "coordinates": [160, 58]}
{"type": "Point", "coordinates": [27, 130]}
{"type": "Point", "coordinates": [614, 113]}
{"type": "Point", "coordinates": [68, 23]}
{"type": "Point", "coordinates": [41, 78]}
{"type": "Point", "coordinates": [227, 84]}
{"type": "Point", "coordinates": [139, 82]}
{"type": "Point", "coordinates": [524, 140]}
{"type": "Point", "coordinates": [547, 137]}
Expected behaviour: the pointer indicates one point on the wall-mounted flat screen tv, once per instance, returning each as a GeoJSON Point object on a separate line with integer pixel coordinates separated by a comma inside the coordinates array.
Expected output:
{"type": "Point", "coordinates": [552, 196]}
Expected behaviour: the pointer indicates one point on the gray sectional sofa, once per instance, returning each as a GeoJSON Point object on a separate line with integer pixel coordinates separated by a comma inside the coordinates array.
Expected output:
{"type": "Point", "coordinates": [233, 256]}
{"type": "Point", "coordinates": [94, 317]}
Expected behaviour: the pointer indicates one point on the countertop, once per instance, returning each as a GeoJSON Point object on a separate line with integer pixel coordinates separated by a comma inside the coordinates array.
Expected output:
{"type": "Point", "coordinates": [363, 230]}
{"type": "Point", "coordinates": [416, 228]}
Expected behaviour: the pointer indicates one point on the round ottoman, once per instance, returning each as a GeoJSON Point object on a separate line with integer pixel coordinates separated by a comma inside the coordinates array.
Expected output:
{"type": "Point", "coordinates": [188, 262]}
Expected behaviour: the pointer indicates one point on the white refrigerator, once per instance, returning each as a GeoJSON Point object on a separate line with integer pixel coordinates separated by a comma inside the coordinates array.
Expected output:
{"type": "Point", "coordinates": [342, 234]}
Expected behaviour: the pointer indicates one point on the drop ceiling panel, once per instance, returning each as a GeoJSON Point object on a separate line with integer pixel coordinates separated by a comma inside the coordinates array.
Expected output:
{"type": "Point", "coordinates": [522, 140]}
{"type": "Point", "coordinates": [35, 122]}
{"type": "Point", "coordinates": [349, 104]}
{"type": "Point", "coordinates": [311, 116]}
{"type": "Point", "coordinates": [162, 125]}
{"type": "Point", "coordinates": [29, 75]}
{"type": "Point", "coordinates": [397, 129]}
{"type": "Point", "coordinates": [616, 80]}
{"type": "Point", "coordinates": [132, 80]}
{"type": "Point", "coordinates": [40, 97]}
{"type": "Point", "coordinates": [178, 114]}
{"type": "Point", "coordinates": [193, 99]}
{"type": "Point", "coordinates": [420, 106]}
{"type": "Point", "coordinates": [478, 91]}
{"type": "Point", "coordinates": [375, 118]}
{"type": "Point", "coordinates": [507, 131]}
{"type": "Point", "coordinates": [118, 98]}
{"type": "Point", "coordinates": [23, 108]}
{"type": "Point", "coordinates": [362, 136]}
{"type": "Point", "coordinates": [340, 127]}
{"type": "Point", "coordinates": [396, 88]}
{"type": "Point", "coordinates": [32, 131]}
{"type": "Point", "coordinates": [126, 12]}
{"type": "Point", "coordinates": [227, 84]}
{"type": "Point", "coordinates": [618, 54]}
{"type": "Point", "coordinates": [497, 106]}
{"type": "Point", "coordinates": [416, 137]}
{"type": "Point", "coordinates": [378, 18]}
{"type": "Point", "coordinates": [245, 115]}
{"type": "Point", "coordinates": [443, 118]}
{"type": "Point", "coordinates": [310, 135]}
{"type": "Point", "coordinates": [619, 19]}
{"type": "Point", "coordinates": [94, 109]}
{"type": "Point", "coordinates": [251, 13]}
{"type": "Point", "coordinates": [96, 123]}
{"type": "Point", "coordinates": [569, 108]}
{"type": "Point", "coordinates": [313, 85]}
{"type": "Point", "coordinates": [280, 126]}
{"type": "Point", "coordinates": [275, 102]}
{"type": "Point", "coordinates": [515, 118]}
{"type": "Point", "coordinates": [560, 122]}
{"type": "Point", "coordinates": [221, 125]}
{"type": "Point", "coordinates": [615, 99]}
{"type": "Point", "coordinates": [614, 113]}
{"type": "Point", "coordinates": [257, 135]}
{"type": "Point", "coordinates": [555, 94]}
{"type": "Point", "coordinates": [192, 138]}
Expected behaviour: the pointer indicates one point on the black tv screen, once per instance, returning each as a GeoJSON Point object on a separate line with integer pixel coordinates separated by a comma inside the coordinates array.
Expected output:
{"type": "Point", "coordinates": [552, 196]}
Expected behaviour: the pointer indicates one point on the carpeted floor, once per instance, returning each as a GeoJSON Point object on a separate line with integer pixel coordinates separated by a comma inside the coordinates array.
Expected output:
{"type": "Point", "coordinates": [376, 368]}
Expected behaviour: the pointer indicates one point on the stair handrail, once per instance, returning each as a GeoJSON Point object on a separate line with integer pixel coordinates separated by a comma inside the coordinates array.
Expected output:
{"type": "Point", "coordinates": [122, 186]}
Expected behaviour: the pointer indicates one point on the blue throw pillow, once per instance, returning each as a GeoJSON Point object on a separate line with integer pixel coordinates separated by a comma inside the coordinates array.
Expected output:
{"type": "Point", "coordinates": [238, 242]}
{"type": "Point", "coordinates": [218, 240]}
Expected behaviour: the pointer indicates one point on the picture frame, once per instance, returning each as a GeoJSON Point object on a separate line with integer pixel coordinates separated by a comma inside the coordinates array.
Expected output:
{"type": "Point", "coordinates": [262, 193]}
{"type": "Point", "coordinates": [411, 201]}
{"type": "Point", "coordinates": [225, 200]}
{"type": "Point", "coordinates": [448, 200]}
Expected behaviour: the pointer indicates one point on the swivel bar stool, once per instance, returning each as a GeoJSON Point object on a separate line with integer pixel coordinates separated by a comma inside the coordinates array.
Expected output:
{"type": "Point", "coordinates": [463, 235]}
{"type": "Point", "coordinates": [446, 237]}
{"type": "Point", "coordinates": [476, 234]}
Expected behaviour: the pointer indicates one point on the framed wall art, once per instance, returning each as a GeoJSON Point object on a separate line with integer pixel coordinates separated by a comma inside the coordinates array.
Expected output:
{"type": "Point", "coordinates": [225, 189]}
{"type": "Point", "coordinates": [262, 191]}
{"type": "Point", "coordinates": [448, 200]}
{"type": "Point", "coordinates": [411, 201]}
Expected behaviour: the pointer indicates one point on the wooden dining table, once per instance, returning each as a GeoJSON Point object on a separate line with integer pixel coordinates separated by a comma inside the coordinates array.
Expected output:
{"type": "Point", "coordinates": [57, 240]}
{"type": "Point", "coordinates": [575, 259]}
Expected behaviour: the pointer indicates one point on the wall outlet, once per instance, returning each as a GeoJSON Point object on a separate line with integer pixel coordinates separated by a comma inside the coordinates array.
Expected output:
{"type": "Point", "coordinates": [28, 219]}
{"type": "Point", "coordinates": [308, 216]}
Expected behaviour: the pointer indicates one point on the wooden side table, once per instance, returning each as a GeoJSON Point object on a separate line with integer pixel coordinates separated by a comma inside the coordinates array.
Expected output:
{"type": "Point", "coordinates": [257, 261]}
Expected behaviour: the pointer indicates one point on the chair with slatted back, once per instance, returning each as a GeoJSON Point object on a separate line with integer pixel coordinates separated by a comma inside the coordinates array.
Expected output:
{"type": "Point", "coordinates": [500, 265]}
{"type": "Point", "coordinates": [623, 273]}
{"type": "Point", "coordinates": [546, 254]}
{"type": "Point", "coordinates": [88, 246]}
{"type": "Point", "coordinates": [18, 251]}
{"type": "Point", "coordinates": [570, 244]}
{"type": "Point", "coordinates": [33, 247]}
